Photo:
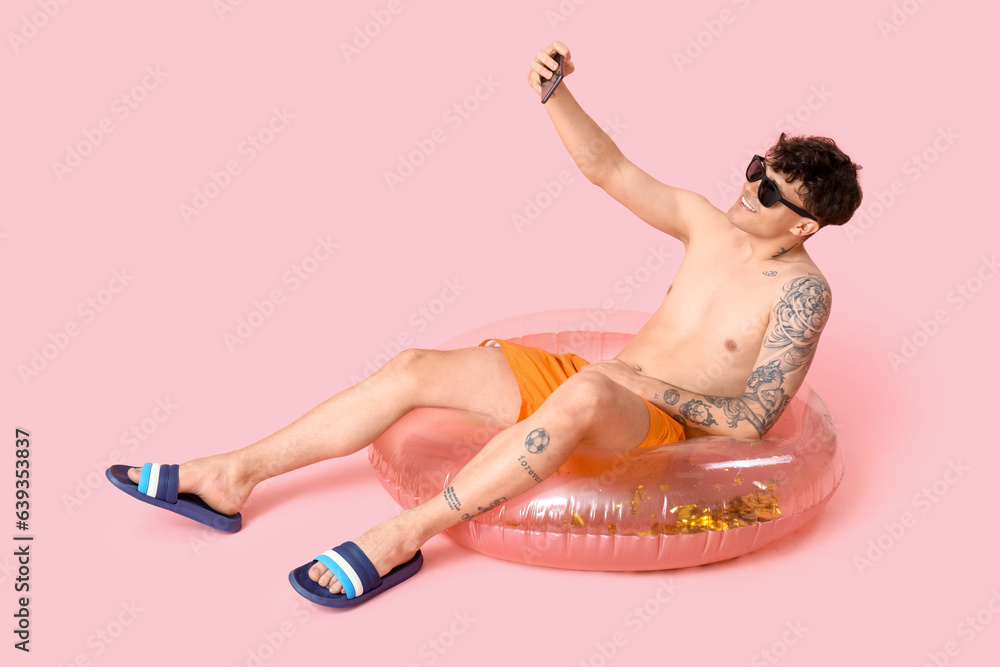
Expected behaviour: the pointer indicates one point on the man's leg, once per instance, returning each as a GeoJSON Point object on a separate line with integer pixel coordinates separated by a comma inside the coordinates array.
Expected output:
{"type": "Point", "coordinates": [477, 379]}
{"type": "Point", "coordinates": [588, 411]}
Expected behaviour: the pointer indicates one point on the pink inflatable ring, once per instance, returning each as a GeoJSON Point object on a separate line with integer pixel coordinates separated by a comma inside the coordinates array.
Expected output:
{"type": "Point", "coordinates": [698, 501]}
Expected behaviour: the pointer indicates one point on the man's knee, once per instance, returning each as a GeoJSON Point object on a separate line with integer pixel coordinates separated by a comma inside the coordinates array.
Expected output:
{"type": "Point", "coordinates": [584, 397]}
{"type": "Point", "coordinates": [407, 362]}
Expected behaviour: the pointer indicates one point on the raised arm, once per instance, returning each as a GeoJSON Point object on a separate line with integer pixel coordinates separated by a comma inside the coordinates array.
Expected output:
{"type": "Point", "coordinates": [669, 209]}
{"type": "Point", "coordinates": [786, 352]}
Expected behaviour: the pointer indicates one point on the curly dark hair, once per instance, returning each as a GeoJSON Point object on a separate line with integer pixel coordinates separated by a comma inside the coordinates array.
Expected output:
{"type": "Point", "coordinates": [829, 177]}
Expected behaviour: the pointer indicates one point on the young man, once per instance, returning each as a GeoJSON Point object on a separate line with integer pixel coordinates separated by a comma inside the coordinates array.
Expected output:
{"type": "Point", "coordinates": [722, 355]}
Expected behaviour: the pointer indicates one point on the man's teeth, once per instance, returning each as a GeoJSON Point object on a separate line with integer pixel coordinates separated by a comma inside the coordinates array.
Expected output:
{"type": "Point", "coordinates": [747, 204]}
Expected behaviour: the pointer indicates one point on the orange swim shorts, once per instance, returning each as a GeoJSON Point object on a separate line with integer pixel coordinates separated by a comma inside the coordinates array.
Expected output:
{"type": "Point", "coordinates": [539, 372]}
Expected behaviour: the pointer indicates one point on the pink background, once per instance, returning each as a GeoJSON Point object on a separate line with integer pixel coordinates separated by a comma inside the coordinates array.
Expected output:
{"type": "Point", "coordinates": [100, 559]}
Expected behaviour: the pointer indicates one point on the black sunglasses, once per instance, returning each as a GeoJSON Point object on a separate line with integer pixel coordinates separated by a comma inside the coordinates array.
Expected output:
{"type": "Point", "coordinates": [767, 192]}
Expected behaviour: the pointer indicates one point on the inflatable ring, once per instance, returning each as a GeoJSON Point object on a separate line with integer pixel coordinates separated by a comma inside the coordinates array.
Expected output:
{"type": "Point", "coordinates": [677, 505]}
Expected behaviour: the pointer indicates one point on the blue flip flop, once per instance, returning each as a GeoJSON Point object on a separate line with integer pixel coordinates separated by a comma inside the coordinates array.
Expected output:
{"type": "Point", "coordinates": [356, 574]}
{"type": "Point", "coordinates": [158, 487]}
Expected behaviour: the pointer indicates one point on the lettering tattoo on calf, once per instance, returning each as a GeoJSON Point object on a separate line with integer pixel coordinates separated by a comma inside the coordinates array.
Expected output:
{"type": "Point", "coordinates": [451, 498]}
{"type": "Point", "coordinates": [482, 510]}
{"type": "Point", "coordinates": [799, 318]}
{"type": "Point", "coordinates": [528, 469]}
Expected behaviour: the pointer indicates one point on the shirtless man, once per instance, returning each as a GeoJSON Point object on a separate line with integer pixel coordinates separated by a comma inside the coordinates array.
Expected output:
{"type": "Point", "coordinates": [723, 354]}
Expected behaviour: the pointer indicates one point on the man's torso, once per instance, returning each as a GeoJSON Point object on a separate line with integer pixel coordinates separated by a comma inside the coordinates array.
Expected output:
{"type": "Point", "coordinates": [708, 331]}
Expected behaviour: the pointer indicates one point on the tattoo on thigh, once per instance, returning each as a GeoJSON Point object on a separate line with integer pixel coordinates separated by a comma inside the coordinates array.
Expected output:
{"type": "Point", "coordinates": [671, 396]}
{"type": "Point", "coordinates": [482, 510]}
{"type": "Point", "coordinates": [452, 499]}
{"type": "Point", "coordinates": [537, 441]}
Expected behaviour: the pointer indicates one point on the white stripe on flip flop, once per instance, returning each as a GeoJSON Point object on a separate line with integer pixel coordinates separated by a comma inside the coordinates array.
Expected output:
{"type": "Point", "coordinates": [355, 581]}
{"type": "Point", "coordinates": [154, 480]}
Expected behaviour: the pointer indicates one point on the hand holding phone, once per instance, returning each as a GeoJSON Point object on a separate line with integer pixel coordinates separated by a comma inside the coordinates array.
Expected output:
{"type": "Point", "coordinates": [549, 85]}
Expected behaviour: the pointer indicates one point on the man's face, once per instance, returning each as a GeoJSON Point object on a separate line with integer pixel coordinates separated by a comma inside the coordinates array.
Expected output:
{"type": "Point", "coordinates": [749, 215]}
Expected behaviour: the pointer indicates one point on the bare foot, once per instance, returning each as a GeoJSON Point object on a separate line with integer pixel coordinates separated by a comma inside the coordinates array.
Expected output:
{"type": "Point", "coordinates": [215, 479]}
{"type": "Point", "coordinates": [387, 545]}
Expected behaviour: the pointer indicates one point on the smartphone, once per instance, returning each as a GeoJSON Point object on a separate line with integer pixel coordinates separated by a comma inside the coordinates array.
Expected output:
{"type": "Point", "coordinates": [549, 85]}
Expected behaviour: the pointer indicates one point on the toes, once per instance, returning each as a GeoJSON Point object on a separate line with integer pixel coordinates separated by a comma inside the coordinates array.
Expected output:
{"type": "Point", "coordinates": [325, 578]}
{"type": "Point", "coordinates": [135, 474]}
{"type": "Point", "coordinates": [317, 571]}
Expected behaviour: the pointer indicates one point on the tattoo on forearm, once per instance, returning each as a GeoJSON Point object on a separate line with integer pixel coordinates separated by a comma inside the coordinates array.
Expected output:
{"type": "Point", "coordinates": [451, 498]}
{"type": "Point", "coordinates": [528, 469]}
{"type": "Point", "coordinates": [698, 412]}
{"type": "Point", "coordinates": [482, 510]}
{"type": "Point", "coordinates": [799, 319]}
{"type": "Point", "coordinates": [537, 441]}
{"type": "Point", "coordinates": [762, 404]}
